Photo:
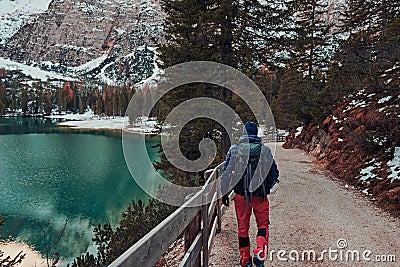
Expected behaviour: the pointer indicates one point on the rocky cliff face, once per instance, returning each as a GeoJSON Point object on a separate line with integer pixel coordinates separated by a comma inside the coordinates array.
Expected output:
{"type": "Point", "coordinates": [74, 32]}
{"type": "Point", "coordinates": [108, 41]}
{"type": "Point", "coordinates": [360, 144]}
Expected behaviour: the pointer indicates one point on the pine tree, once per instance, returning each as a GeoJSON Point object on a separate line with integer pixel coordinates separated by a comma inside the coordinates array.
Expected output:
{"type": "Point", "coordinates": [122, 100]}
{"type": "Point", "coordinates": [108, 99]}
{"type": "Point", "coordinates": [389, 55]}
{"type": "Point", "coordinates": [2, 108]}
{"type": "Point", "coordinates": [300, 97]}
{"type": "Point", "coordinates": [75, 98]}
{"type": "Point", "coordinates": [291, 99]}
{"type": "Point", "coordinates": [39, 102]}
{"type": "Point", "coordinates": [186, 32]}
{"type": "Point", "coordinates": [82, 104]}
{"type": "Point", "coordinates": [372, 47]}
{"type": "Point", "coordinates": [24, 101]}
{"type": "Point", "coordinates": [13, 103]}
{"type": "Point", "coordinates": [371, 16]}
{"type": "Point", "coordinates": [3, 95]}
{"type": "Point", "coordinates": [61, 101]}
{"type": "Point", "coordinates": [47, 102]}
{"type": "Point", "coordinates": [261, 34]}
{"type": "Point", "coordinates": [99, 106]}
{"type": "Point", "coordinates": [311, 45]}
{"type": "Point", "coordinates": [241, 34]}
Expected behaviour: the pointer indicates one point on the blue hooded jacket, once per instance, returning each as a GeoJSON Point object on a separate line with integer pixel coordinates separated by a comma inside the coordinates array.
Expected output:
{"type": "Point", "coordinates": [229, 165]}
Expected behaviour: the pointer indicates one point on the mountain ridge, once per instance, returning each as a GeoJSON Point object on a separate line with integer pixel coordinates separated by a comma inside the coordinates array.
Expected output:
{"type": "Point", "coordinates": [72, 33]}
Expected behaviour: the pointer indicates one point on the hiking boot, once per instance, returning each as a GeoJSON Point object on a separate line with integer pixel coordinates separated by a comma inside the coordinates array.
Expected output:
{"type": "Point", "coordinates": [248, 264]}
{"type": "Point", "coordinates": [259, 258]}
{"type": "Point", "coordinates": [258, 262]}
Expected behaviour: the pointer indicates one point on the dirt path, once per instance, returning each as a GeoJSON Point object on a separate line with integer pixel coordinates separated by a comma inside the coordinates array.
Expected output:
{"type": "Point", "coordinates": [310, 211]}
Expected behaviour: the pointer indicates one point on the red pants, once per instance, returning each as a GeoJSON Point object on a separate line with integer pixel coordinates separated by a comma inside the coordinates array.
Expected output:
{"type": "Point", "coordinates": [261, 211]}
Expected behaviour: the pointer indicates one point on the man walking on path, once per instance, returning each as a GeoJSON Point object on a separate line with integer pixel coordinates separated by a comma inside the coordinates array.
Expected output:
{"type": "Point", "coordinates": [245, 199]}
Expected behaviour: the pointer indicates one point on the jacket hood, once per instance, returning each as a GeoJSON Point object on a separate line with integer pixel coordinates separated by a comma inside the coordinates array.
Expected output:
{"type": "Point", "coordinates": [250, 128]}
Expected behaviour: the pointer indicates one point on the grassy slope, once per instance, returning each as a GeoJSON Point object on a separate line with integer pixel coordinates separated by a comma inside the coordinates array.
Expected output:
{"type": "Point", "coordinates": [357, 143]}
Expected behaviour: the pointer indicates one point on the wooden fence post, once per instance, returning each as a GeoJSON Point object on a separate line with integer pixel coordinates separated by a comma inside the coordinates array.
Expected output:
{"type": "Point", "coordinates": [190, 234]}
{"type": "Point", "coordinates": [204, 215]}
{"type": "Point", "coordinates": [219, 213]}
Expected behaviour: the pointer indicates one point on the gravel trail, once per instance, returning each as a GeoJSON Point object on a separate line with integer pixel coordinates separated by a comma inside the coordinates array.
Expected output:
{"type": "Point", "coordinates": [311, 211]}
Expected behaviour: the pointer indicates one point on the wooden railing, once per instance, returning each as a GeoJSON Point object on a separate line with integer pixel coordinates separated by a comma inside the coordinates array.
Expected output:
{"type": "Point", "coordinates": [274, 136]}
{"type": "Point", "coordinates": [198, 224]}
{"type": "Point", "coordinates": [280, 138]}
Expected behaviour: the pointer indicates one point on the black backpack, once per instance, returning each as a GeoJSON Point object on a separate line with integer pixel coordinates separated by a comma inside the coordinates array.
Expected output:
{"type": "Point", "coordinates": [254, 181]}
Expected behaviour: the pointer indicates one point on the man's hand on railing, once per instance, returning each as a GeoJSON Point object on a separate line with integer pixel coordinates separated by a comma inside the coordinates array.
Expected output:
{"type": "Point", "coordinates": [225, 200]}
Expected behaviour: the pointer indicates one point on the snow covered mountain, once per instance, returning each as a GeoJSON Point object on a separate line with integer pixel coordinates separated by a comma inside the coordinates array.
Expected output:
{"type": "Point", "coordinates": [109, 41]}
{"type": "Point", "coordinates": [15, 14]}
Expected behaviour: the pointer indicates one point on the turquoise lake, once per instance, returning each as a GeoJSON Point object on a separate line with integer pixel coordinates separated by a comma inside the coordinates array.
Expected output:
{"type": "Point", "coordinates": [51, 174]}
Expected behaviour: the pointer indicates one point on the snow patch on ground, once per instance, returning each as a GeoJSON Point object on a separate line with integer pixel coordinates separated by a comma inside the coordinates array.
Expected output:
{"type": "Point", "coordinates": [90, 65]}
{"type": "Point", "coordinates": [283, 132]}
{"type": "Point", "coordinates": [366, 173]}
{"type": "Point", "coordinates": [143, 126]}
{"type": "Point", "coordinates": [85, 116]}
{"type": "Point", "coordinates": [298, 131]}
{"type": "Point", "coordinates": [116, 123]}
{"type": "Point", "coordinates": [385, 99]}
{"type": "Point", "coordinates": [379, 141]}
{"type": "Point", "coordinates": [336, 119]}
{"type": "Point", "coordinates": [394, 165]}
{"type": "Point", "coordinates": [89, 120]}
{"type": "Point", "coordinates": [395, 66]}
{"type": "Point", "coordinates": [104, 77]}
{"type": "Point", "coordinates": [365, 191]}
{"type": "Point", "coordinates": [34, 72]}
{"type": "Point", "coordinates": [72, 47]}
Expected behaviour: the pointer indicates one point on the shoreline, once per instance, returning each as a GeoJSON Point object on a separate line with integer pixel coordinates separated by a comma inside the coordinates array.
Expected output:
{"type": "Point", "coordinates": [32, 257]}
{"type": "Point", "coordinates": [89, 121]}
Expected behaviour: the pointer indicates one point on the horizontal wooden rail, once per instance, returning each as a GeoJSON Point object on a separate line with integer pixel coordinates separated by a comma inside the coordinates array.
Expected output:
{"type": "Point", "coordinates": [280, 138]}
{"type": "Point", "coordinates": [270, 136]}
{"type": "Point", "coordinates": [193, 252]}
{"type": "Point", "coordinates": [148, 250]}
